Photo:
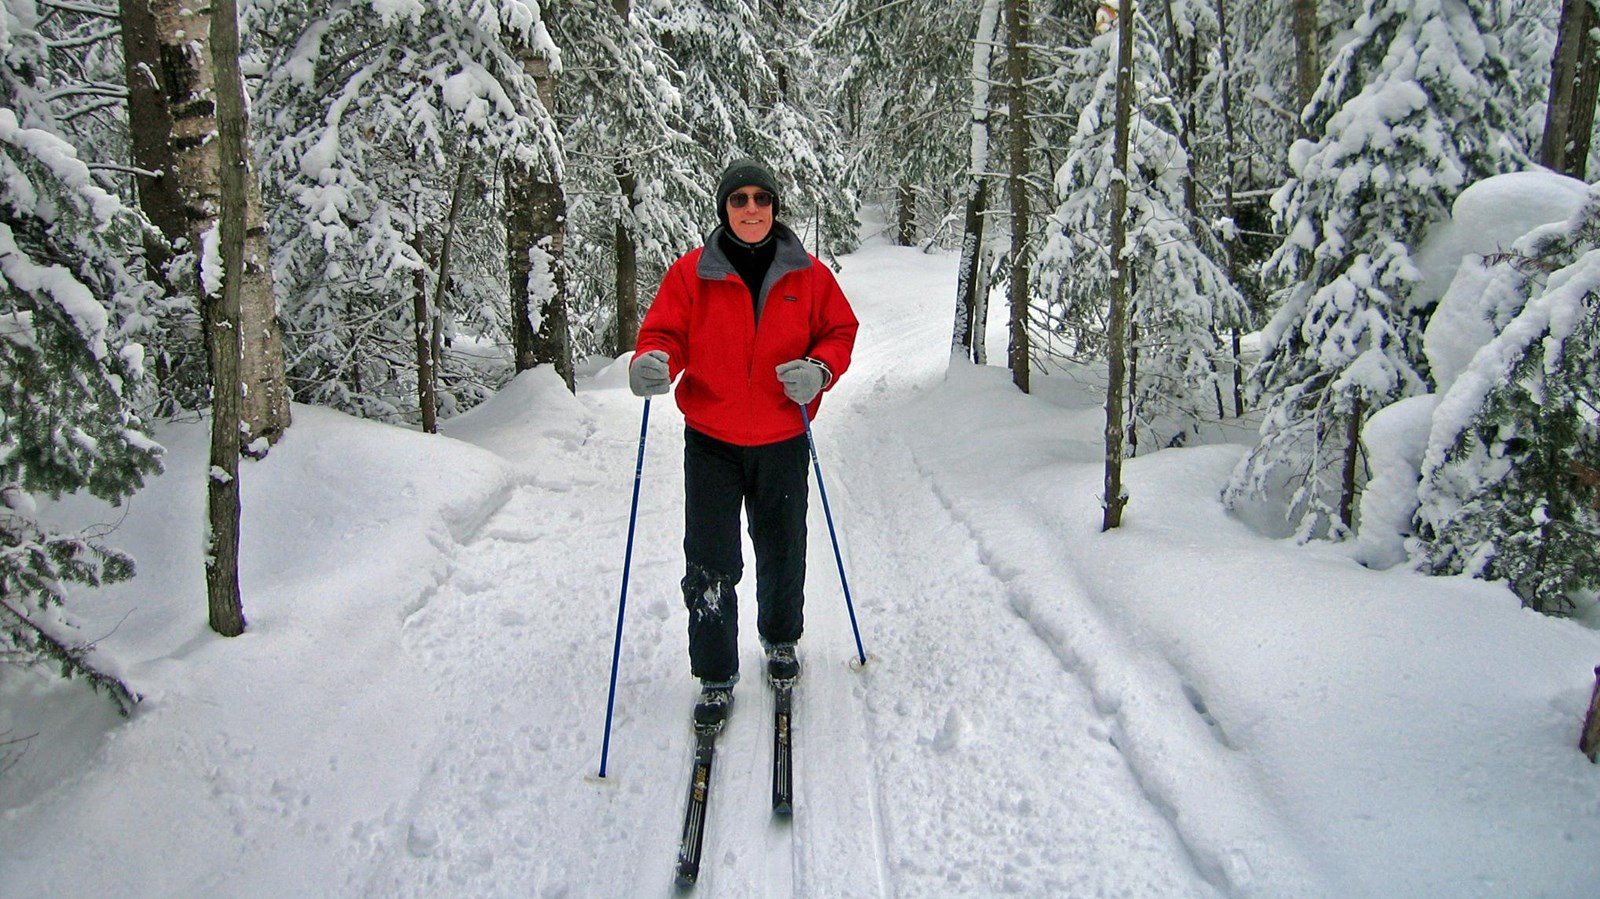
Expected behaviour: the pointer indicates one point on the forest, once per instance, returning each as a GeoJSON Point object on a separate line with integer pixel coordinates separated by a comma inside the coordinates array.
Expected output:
{"type": "Point", "coordinates": [391, 207]}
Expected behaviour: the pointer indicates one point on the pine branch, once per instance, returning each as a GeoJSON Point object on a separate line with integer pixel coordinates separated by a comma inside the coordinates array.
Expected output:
{"type": "Point", "coordinates": [73, 660]}
{"type": "Point", "coordinates": [85, 9]}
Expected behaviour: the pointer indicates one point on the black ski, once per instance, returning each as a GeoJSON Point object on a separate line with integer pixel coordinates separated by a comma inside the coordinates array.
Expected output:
{"type": "Point", "coordinates": [782, 747]}
{"type": "Point", "coordinates": [694, 816]}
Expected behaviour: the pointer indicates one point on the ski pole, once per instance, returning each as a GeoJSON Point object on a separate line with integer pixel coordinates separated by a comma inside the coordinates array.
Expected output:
{"type": "Point", "coordinates": [622, 602]}
{"type": "Point", "coordinates": [811, 443]}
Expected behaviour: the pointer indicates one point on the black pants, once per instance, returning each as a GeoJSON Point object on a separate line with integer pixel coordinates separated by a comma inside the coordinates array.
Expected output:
{"type": "Point", "coordinates": [770, 483]}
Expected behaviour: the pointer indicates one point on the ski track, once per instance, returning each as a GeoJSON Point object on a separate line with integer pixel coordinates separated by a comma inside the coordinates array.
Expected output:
{"type": "Point", "coordinates": [1037, 806]}
{"type": "Point", "coordinates": [918, 775]}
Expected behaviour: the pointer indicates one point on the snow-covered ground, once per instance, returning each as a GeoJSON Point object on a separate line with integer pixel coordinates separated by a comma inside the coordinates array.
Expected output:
{"type": "Point", "coordinates": [1182, 707]}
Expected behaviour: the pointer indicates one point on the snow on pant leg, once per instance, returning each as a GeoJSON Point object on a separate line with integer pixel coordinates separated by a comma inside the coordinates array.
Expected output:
{"type": "Point", "coordinates": [775, 502]}
{"type": "Point", "coordinates": [713, 492]}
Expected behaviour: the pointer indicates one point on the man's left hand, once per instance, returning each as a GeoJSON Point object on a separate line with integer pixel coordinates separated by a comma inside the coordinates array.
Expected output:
{"type": "Point", "coordinates": [802, 379]}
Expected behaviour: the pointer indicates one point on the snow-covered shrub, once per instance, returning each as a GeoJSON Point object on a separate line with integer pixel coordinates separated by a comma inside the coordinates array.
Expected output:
{"type": "Point", "coordinates": [1511, 477]}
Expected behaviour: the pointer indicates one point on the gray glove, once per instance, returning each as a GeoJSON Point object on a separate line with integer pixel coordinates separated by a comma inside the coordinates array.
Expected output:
{"type": "Point", "coordinates": [649, 375]}
{"type": "Point", "coordinates": [803, 379]}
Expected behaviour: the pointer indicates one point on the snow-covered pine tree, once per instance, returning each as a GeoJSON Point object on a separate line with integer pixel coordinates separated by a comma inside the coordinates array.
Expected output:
{"type": "Point", "coordinates": [906, 89]}
{"type": "Point", "coordinates": [1178, 295]}
{"type": "Point", "coordinates": [368, 111]}
{"type": "Point", "coordinates": [1511, 477]}
{"type": "Point", "coordinates": [752, 86]}
{"type": "Point", "coordinates": [1527, 32]}
{"type": "Point", "coordinates": [1261, 78]}
{"type": "Point", "coordinates": [639, 185]}
{"type": "Point", "coordinates": [72, 290]}
{"type": "Point", "coordinates": [1407, 116]}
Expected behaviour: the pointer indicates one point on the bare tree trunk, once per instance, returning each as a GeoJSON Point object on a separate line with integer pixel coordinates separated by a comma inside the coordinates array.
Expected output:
{"type": "Point", "coordinates": [627, 249]}
{"type": "Point", "coordinates": [427, 396]}
{"type": "Point", "coordinates": [1574, 80]}
{"type": "Point", "coordinates": [1352, 461]}
{"type": "Point", "coordinates": [905, 232]}
{"type": "Point", "coordinates": [967, 323]}
{"type": "Point", "coordinates": [425, 326]}
{"type": "Point", "coordinates": [265, 404]}
{"type": "Point", "coordinates": [1307, 57]}
{"type": "Point", "coordinates": [190, 61]}
{"type": "Point", "coordinates": [1017, 39]}
{"type": "Point", "coordinates": [1115, 498]}
{"type": "Point", "coordinates": [967, 333]}
{"type": "Point", "coordinates": [150, 135]}
{"type": "Point", "coordinates": [980, 308]}
{"type": "Point", "coordinates": [223, 320]}
{"type": "Point", "coordinates": [536, 233]}
{"type": "Point", "coordinates": [627, 267]}
{"type": "Point", "coordinates": [1231, 241]}
{"type": "Point", "coordinates": [1130, 409]}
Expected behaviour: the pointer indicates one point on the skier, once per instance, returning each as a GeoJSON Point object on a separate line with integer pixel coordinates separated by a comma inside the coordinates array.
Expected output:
{"type": "Point", "coordinates": [754, 325]}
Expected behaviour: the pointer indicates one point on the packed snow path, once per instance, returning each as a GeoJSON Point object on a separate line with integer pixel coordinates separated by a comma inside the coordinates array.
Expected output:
{"type": "Point", "coordinates": [1178, 708]}
{"type": "Point", "coordinates": [967, 758]}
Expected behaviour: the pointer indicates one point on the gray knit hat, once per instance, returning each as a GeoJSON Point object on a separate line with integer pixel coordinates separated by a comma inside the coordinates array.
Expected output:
{"type": "Point", "coordinates": [742, 172]}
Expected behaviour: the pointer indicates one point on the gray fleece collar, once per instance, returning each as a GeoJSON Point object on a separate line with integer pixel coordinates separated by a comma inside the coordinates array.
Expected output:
{"type": "Point", "coordinates": [790, 256]}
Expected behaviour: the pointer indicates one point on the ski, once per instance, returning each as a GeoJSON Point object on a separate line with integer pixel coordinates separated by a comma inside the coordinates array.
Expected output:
{"type": "Point", "coordinates": [782, 747]}
{"type": "Point", "coordinates": [694, 816]}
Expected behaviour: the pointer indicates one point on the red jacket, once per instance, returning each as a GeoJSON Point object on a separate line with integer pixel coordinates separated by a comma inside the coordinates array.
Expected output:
{"type": "Point", "coordinates": [703, 319]}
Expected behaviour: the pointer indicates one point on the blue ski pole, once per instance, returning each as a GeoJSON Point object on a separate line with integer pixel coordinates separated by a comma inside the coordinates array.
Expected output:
{"type": "Point", "coordinates": [861, 654]}
{"type": "Point", "coordinates": [622, 602]}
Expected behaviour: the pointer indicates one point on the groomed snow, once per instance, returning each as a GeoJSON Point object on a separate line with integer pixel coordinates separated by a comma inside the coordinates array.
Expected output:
{"type": "Point", "coordinates": [1179, 708]}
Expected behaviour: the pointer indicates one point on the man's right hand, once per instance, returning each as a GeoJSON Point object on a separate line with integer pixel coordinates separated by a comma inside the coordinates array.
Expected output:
{"type": "Point", "coordinates": [649, 374]}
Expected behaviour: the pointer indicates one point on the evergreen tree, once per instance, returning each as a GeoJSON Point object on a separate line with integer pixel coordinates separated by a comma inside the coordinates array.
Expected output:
{"type": "Point", "coordinates": [639, 184]}
{"type": "Point", "coordinates": [72, 292]}
{"type": "Point", "coordinates": [753, 86]}
{"type": "Point", "coordinates": [1177, 295]}
{"type": "Point", "coordinates": [1511, 478]}
{"type": "Point", "coordinates": [1527, 31]}
{"type": "Point", "coordinates": [1390, 153]}
{"type": "Point", "coordinates": [369, 112]}
{"type": "Point", "coordinates": [906, 91]}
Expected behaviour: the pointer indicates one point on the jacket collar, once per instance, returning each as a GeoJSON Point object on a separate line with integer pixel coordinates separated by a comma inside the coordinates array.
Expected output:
{"type": "Point", "coordinates": [790, 256]}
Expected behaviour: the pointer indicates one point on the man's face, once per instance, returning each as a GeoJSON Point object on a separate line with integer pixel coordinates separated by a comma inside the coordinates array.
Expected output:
{"type": "Point", "coordinates": [750, 213]}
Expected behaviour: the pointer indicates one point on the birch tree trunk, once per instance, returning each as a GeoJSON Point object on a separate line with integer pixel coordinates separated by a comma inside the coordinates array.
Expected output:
{"type": "Point", "coordinates": [535, 242]}
{"type": "Point", "coordinates": [1017, 38]}
{"type": "Point", "coordinates": [1115, 498]}
{"type": "Point", "coordinates": [192, 60]}
{"type": "Point", "coordinates": [967, 334]}
{"type": "Point", "coordinates": [1574, 79]}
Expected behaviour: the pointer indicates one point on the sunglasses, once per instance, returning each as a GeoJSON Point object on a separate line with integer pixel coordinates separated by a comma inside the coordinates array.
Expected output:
{"type": "Point", "coordinates": [762, 199]}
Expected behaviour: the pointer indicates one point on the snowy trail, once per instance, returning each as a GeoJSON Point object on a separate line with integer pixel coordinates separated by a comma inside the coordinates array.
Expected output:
{"type": "Point", "coordinates": [983, 794]}
{"type": "Point", "coordinates": [964, 694]}
{"type": "Point", "coordinates": [974, 754]}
